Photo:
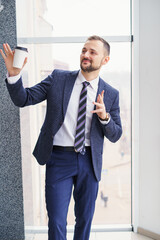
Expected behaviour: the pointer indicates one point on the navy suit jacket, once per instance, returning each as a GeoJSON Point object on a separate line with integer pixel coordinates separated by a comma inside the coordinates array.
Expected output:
{"type": "Point", "coordinates": [57, 89]}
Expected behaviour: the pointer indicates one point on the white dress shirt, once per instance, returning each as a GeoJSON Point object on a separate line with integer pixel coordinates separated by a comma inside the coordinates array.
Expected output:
{"type": "Point", "coordinates": [14, 79]}
{"type": "Point", "coordinates": [66, 134]}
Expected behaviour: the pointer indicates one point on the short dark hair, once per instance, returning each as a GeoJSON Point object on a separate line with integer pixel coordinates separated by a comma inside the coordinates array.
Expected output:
{"type": "Point", "coordinates": [105, 43]}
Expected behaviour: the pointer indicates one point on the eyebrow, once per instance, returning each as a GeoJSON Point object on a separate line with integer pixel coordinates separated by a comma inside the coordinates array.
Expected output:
{"type": "Point", "coordinates": [92, 49]}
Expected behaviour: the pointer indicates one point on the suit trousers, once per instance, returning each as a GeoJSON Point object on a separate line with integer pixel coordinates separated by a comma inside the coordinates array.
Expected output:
{"type": "Point", "coordinates": [64, 171]}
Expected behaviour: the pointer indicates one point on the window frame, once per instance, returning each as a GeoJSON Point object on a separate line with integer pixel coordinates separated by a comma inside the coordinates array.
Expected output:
{"type": "Point", "coordinates": [53, 40]}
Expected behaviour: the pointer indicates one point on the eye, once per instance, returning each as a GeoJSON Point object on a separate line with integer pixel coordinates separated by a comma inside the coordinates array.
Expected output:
{"type": "Point", "coordinates": [83, 51]}
{"type": "Point", "coordinates": [93, 52]}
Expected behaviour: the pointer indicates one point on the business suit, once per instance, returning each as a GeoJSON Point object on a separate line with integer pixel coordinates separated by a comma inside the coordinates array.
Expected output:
{"type": "Point", "coordinates": [49, 89]}
{"type": "Point", "coordinates": [65, 169]}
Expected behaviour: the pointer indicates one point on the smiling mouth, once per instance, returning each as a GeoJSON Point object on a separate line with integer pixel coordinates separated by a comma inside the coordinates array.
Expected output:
{"type": "Point", "coordinates": [86, 61]}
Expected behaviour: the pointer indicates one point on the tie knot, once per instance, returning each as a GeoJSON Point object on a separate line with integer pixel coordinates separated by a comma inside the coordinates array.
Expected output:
{"type": "Point", "coordinates": [85, 84]}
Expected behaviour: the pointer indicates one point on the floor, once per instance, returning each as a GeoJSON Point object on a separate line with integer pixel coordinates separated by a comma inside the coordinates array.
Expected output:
{"type": "Point", "coordinates": [96, 236]}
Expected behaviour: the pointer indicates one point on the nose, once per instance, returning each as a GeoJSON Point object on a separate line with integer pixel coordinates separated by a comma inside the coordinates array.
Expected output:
{"type": "Point", "coordinates": [86, 54]}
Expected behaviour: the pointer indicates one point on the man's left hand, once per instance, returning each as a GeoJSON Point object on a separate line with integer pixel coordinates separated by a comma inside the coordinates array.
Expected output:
{"type": "Point", "coordinates": [100, 107]}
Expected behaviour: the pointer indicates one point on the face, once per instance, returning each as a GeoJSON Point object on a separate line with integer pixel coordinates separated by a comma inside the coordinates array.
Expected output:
{"type": "Point", "coordinates": [93, 56]}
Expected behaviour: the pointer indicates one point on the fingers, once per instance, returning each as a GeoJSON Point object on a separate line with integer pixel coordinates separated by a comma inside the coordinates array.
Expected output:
{"type": "Point", "coordinates": [8, 48]}
{"type": "Point", "coordinates": [5, 49]}
{"type": "Point", "coordinates": [97, 110]}
{"type": "Point", "coordinates": [101, 96]}
{"type": "Point", "coordinates": [102, 93]}
{"type": "Point", "coordinates": [100, 107]}
{"type": "Point", "coordinates": [98, 98]}
{"type": "Point", "coordinates": [98, 104]}
{"type": "Point", "coordinates": [2, 53]}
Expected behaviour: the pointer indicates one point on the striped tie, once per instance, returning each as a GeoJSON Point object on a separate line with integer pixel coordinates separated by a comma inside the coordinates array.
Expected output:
{"type": "Point", "coordinates": [79, 144]}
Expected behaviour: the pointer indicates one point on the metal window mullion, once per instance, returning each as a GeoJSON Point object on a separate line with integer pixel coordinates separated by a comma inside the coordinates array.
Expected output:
{"type": "Point", "coordinates": [52, 40]}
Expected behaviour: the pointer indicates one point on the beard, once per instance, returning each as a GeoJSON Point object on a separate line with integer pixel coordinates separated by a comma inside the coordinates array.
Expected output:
{"type": "Point", "coordinates": [89, 68]}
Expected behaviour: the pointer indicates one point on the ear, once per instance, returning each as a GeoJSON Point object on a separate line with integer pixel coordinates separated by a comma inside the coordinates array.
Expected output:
{"type": "Point", "coordinates": [106, 60]}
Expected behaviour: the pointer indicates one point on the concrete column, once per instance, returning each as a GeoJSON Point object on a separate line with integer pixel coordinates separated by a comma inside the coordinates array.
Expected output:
{"type": "Point", "coordinates": [11, 192]}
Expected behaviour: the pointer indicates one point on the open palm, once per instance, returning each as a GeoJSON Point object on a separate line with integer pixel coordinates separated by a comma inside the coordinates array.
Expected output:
{"type": "Point", "coordinates": [8, 56]}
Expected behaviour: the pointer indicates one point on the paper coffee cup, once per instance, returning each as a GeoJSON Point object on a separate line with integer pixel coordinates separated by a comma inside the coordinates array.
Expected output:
{"type": "Point", "coordinates": [19, 56]}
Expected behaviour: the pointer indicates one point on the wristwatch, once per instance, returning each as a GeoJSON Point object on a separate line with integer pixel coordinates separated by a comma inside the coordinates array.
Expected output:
{"type": "Point", "coordinates": [106, 118]}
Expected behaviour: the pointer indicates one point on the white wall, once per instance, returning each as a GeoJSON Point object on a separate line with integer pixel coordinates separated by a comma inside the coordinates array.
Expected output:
{"type": "Point", "coordinates": [149, 115]}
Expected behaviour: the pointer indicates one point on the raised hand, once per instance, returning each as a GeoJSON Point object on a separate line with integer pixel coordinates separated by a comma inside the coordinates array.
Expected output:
{"type": "Point", "coordinates": [100, 107]}
{"type": "Point", "coordinates": [8, 56]}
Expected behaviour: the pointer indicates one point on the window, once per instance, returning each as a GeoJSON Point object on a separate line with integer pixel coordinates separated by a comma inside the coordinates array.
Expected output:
{"type": "Point", "coordinates": [55, 42]}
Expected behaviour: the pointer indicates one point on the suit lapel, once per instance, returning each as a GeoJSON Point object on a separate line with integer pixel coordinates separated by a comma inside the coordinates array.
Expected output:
{"type": "Point", "coordinates": [69, 83]}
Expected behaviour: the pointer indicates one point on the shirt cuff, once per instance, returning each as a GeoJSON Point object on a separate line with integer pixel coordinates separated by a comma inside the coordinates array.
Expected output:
{"type": "Point", "coordinates": [14, 79]}
{"type": "Point", "coordinates": [105, 122]}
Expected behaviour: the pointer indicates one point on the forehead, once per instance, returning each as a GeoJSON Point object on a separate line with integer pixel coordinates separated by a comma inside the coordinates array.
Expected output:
{"type": "Point", "coordinates": [94, 44]}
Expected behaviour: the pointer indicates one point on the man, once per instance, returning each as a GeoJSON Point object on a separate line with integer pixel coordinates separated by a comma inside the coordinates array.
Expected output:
{"type": "Point", "coordinates": [81, 110]}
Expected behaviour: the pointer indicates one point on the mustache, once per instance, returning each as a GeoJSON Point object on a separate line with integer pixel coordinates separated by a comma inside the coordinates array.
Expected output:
{"type": "Point", "coordinates": [86, 59]}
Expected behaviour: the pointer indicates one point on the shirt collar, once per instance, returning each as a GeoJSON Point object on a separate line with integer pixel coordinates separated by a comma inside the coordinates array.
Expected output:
{"type": "Point", "coordinates": [81, 79]}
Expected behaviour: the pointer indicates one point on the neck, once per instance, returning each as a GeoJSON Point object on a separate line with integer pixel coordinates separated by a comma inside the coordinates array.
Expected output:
{"type": "Point", "coordinates": [89, 76]}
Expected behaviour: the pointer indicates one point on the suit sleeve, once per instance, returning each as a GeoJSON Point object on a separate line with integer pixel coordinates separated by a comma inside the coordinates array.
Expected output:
{"type": "Point", "coordinates": [113, 130]}
{"type": "Point", "coordinates": [22, 97]}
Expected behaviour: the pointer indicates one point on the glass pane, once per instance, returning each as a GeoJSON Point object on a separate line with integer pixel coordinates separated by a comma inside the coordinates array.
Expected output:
{"type": "Point", "coordinates": [73, 18]}
{"type": "Point", "coordinates": [114, 199]}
